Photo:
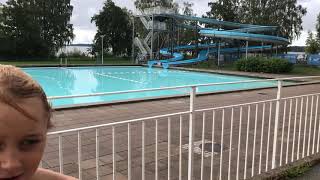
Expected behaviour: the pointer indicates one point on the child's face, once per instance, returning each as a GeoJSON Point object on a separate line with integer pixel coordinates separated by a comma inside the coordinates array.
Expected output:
{"type": "Point", "coordinates": [22, 140]}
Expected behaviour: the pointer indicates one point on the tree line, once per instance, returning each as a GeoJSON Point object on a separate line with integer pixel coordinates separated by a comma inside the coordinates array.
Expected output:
{"type": "Point", "coordinates": [313, 40]}
{"type": "Point", "coordinates": [38, 28]}
{"type": "Point", "coordinates": [285, 14]}
{"type": "Point", "coordinates": [34, 28]}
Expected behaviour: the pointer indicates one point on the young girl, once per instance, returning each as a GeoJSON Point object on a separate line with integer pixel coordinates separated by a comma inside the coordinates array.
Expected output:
{"type": "Point", "coordinates": [24, 121]}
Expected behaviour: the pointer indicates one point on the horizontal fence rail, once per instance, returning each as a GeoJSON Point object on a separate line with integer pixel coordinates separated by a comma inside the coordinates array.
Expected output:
{"type": "Point", "coordinates": [229, 142]}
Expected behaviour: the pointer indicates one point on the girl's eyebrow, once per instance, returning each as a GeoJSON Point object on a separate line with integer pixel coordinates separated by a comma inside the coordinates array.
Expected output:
{"type": "Point", "coordinates": [35, 135]}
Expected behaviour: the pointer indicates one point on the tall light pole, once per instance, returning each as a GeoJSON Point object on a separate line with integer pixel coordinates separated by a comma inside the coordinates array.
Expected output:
{"type": "Point", "coordinates": [102, 36]}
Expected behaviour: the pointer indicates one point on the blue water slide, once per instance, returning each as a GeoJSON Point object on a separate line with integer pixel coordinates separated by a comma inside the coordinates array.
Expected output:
{"type": "Point", "coordinates": [247, 29]}
{"type": "Point", "coordinates": [243, 49]}
{"type": "Point", "coordinates": [238, 31]}
{"type": "Point", "coordinates": [243, 36]}
{"type": "Point", "coordinates": [178, 56]}
{"type": "Point", "coordinates": [215, 21]}
{"type": "Point", "coordinates": [200, 46]}
{"type": "Point", "coordinates": [202, 56]}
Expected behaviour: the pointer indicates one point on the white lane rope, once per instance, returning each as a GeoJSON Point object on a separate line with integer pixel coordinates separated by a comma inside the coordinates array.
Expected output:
{"type": "Point", "coordinates": [58, 83]}
{"type": "Point", "coordinates": [115, 77]}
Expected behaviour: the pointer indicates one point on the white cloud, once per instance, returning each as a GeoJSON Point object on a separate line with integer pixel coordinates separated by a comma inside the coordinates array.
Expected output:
{"type": "Point", "coordinates": [75, 17]}
{"type": "Point", "coordinates": [309, 21]}
{"type": "Point", "coordinates": [129, 4]}
{"type": "Point", "coordinates": [302, 39]}
{"type": "Point", "coordinates": [92, 11]}
{"type": "Point", "coordinates": [313, 9]}
{"type": "Point", "coordinates": [83, 35]}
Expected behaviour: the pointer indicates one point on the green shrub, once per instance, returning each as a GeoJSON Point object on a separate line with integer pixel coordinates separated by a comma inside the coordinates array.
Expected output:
{"type": "Point", "coordinates": [297, 171]}
{"type": "Point", "coordinates": [266, 65]}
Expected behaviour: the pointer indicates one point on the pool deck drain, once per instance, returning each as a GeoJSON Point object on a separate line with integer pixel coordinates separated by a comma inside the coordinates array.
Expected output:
{"type": "Point", "coordinates": [83, 117]}
{"type": "Point", "coordinates": [197, 148]}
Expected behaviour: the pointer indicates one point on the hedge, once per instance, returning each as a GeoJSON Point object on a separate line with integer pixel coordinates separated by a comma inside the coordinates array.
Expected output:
{"type": "Point", "coordinates": [266, 65]}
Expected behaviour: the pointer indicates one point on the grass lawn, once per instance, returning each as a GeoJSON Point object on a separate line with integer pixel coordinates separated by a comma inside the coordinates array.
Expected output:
{"type": "Point", "coordinates": [213, 66]}
{"type": "Point", "coordinates": [306, 70]}
{"type": "Point", "coordinates": [301, 70]}
{"type": "Point", "coordinates": [71, 61]}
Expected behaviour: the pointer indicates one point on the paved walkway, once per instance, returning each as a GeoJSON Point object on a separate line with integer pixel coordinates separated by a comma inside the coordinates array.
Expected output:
{"type": "Point", "coordinates": [83, 117]}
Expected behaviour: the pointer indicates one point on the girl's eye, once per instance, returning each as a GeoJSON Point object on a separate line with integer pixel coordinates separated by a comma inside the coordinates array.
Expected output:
{"type": "Point", "coordinates": [1, 146]}
{"type": "Point", "coordinates": [29, 143]}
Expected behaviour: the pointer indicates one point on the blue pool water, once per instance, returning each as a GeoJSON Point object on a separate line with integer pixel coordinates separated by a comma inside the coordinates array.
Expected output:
{"type": "Point", "coordinates": [88, 80]}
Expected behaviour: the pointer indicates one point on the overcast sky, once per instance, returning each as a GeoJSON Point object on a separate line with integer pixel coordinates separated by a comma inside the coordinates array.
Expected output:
{"type": "Point", "coordinates": [85, 9]}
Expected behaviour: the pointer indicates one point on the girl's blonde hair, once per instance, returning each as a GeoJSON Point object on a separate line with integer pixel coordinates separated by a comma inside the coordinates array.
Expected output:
{"type": "Point", "coordinates": [15, 85]}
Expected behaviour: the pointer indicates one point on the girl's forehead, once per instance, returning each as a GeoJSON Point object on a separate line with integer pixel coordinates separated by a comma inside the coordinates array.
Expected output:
{"type": "Point", "coordinates": [13, 126]}
{"type": "Point", "coordinates": [27, 107]}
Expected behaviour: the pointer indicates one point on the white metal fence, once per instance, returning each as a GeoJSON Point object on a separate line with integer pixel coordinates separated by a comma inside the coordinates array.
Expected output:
{"type": "Point", "coordinates": [229, 142]}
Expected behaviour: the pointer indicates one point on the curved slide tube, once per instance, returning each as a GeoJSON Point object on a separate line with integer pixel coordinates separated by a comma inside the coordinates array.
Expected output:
{"type": "Point", "coordinates": [243, 49]}
{"type": "Point", "coordinates": [202, 56]}
{"type": "Point", "coordinates": [244, 36]}
{"type": "Point", "coordinates": [178, 56]}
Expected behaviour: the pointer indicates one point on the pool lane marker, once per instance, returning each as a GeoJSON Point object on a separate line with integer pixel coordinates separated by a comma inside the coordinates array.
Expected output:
{"type": "Point", "coordinates": [58, 83]}
{"type": "Point", "coordinates": [105, 75]}
{"type": "Point", "coordinates": [124, 79]}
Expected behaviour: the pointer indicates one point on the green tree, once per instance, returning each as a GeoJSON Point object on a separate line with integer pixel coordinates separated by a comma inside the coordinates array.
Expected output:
{"type": "Point", "coordinates": [318, 27]}
{"type": "Point", "coordinates": [35, 28]}
{"type": "Point", "coordinates": [115, 24]}
{"type": "Point", "coordinates": [1, 7]}
{"type": "Point", "coordinates": [187, 9]}
{"type": "Point", "coordinates": [143, 4]}
{"type": "Point", "coordinates": [1, 17]}
{"type": "Point", "coordinates": [226, 10]}
{"type": "Point", "coordinates": [312, 44]}
{"type": "Point", "coordinates": [187, 35]}
{"type": "Point", "coordinates": [286, 14]}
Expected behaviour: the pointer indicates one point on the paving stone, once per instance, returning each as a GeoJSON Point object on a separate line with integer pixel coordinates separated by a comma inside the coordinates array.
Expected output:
{"type": "Point", "coordinates": [109, 158]}
{"type": "Point", "coordinates": [89, 164]}
{"type": "Point", "coordinates": [103, 171]}
{"type": "Point", "coordinates": [118, 176]}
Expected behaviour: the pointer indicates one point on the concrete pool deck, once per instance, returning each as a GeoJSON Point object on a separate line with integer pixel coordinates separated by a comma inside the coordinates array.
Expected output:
{"type": "Point", "coordinates": [83, 117]}
{"type": "Point", "coordinates": [238, 73]}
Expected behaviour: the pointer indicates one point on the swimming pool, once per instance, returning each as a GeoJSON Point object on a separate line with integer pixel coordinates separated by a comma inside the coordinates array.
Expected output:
{"type": "Point", "coordinates": [88, 80]}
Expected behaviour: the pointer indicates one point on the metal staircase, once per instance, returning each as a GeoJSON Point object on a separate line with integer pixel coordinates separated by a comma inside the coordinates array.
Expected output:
{"type": "Point", "coordinates": [147, 39]}
{"type": "Point", "coordinates": [145, 44]}
{"type": "Point", "coordinates": [140, 45]}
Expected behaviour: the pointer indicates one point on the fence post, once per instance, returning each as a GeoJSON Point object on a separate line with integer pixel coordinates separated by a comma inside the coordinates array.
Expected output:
{"type": "Point", "coordinates": [276, 125]}
{"type": "Point", "coordinates": [191, 133]}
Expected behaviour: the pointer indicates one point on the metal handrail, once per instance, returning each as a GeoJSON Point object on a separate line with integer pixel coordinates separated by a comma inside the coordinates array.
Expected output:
{"type": "Point", "coordinates": [116, 123]}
